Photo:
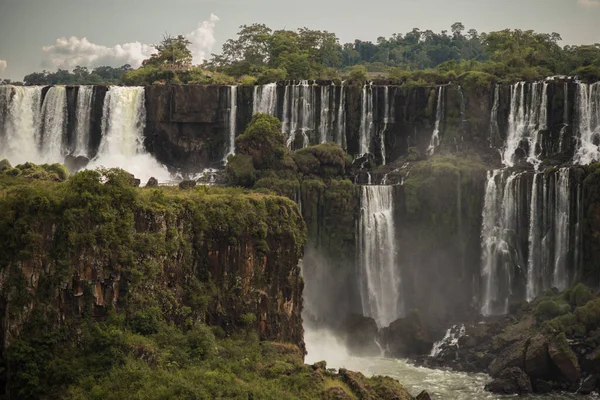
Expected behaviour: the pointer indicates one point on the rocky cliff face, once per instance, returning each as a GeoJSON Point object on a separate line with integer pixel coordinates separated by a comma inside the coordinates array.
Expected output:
{"type": "Point", "coordinates": [83, 249]}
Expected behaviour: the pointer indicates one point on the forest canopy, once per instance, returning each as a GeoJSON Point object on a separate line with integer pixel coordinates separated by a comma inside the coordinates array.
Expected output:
{"type": "Point", "coordinates": [259, 54]}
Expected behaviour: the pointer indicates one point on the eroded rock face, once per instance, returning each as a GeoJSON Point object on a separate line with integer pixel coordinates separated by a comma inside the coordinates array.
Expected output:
{"type": "Point", "coordinates": [564, 359]}
{"type": "Point", "coordinates": [511, 381]}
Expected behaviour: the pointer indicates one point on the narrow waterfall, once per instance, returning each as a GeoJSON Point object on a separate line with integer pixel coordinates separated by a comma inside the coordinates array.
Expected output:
{"type": "Point", "coordinates": [528, 117]}
{"type": "Point", "coordinates": [386, 120]}
{"type": "Point", "coordinates": [535, 262]}
{"type": "Point", "coordinates": [494, 128]}
{"type": "Point", "coordinates": [562, 220]}
{"type": "Point", "coordinates": [232, 123]}
{"type": "Point", "coordinates": [324, 127]}
{"type": "Point", "coordinates": [563, 131]}
{"type": "Point", "coordinates": [439, 115]}
{"type": "Point", "coordinates": [122, 145]}
{"type": "Point", "coordinates": [54, 120]}
{"type": "Point", "coordinates": [588, 117]}
{"type": "Point", "coordinates": [341, 119]}
{"type": "Point", "coordinates": [22, 125]}
{"type": "Point", "coordinates": [264, 100]}
{"type": "Point", "coordinates": [298, 112]}
{"type": "Point", "coordinates": [378, 271]}
{"type": "Point", "coordinates": [366, 119]}
{"type": "Point", "coordinates": [83, 114]}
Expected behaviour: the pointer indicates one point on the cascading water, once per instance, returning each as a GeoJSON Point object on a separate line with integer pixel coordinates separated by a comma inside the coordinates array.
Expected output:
{"type": "Point", "coordinates": [83, 113]}
{"type": "Point", "coordinates": [527, 118]}
{"type": "Point", "coordinates": [450, 339]}
{"type": "Point", "coordinates": [324, 122]}
{"type": "Point", "coordinates": [439, 115]}
{"type": "Point", "coordinates": [232, 123]}
{"type": "Point", "coordinates": [562, 220]}
{"type": "Point", "coordinates": [265, 99]}
{"type": "Point", "coordinates": [494, 128]}
{"type": "Point", "coordinates": [341, 119]}
{"type": "Point", "coordinates": [22, 125]}
{"type": "Point", "coordinates": [54, 120]}
{"type": "Point", "coordinates": [124, 118]}
{"type": "Point", "coordinates": [298, 113]}
{"type": "Point", "coordinates": [588, 117]}
{"type": "Point", "coordinates": [366, 119]}
{"type": "Point", "coordinates": [378, 270]}
{"type": "Point", "coordinates": [386, 120]}
{"type": "Point", "coordinates": [563, 130]}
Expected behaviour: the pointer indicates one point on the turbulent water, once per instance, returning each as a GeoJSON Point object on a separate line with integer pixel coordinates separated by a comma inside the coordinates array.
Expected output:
{"type": "Point", "coordinates": [378, 273]}
{"type": "Point", "coordinates": [440, 384]}
{"type": "Point", "coordinates": [366, 119]}
{"type": "Point", "coordinates": [83, 120]}
{"type": "Point", "coordinates": [124, 118]}
{"type": "Point", "coordinates": [54, 122]}
{"type": "Point", "coordinates": [588, 118]}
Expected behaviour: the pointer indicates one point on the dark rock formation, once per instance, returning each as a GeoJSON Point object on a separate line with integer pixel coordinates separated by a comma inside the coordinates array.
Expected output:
{"type": "Point", "coordinates": [360, 334]}
{"type": "Point", "coordinates": [407, 337]}
{"type": "Point", "coordinates": [75, 164]}
{"type": "Point", "coordinates": [152, 183]}
{"type": "Point", "coordinates": [510, 381]}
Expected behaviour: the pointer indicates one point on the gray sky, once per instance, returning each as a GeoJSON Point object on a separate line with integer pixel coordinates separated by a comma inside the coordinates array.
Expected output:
{"type": "Point", "coordinates": [27, 26]}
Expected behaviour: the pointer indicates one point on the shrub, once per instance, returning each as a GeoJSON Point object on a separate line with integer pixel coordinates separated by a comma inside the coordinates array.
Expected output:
{"type": "Point", "coordinates": [476, 81]}
{"type": "Point", "coordinates": [263, 141]}
{"type": "Point", "coordinates": [580, 295]}
{"type": "Point", "coordinates": [546, 310]}
{"type": "Point", "coordinates": [589, 315]}
{"type": "Point", "coordinates": [247, 80]}
{"type": "Point", "coordinates": [240, 170]}
{"type": "Point", "coordinates": [271, 75]}
{"type": "Point", "coordinates": [358, 74]}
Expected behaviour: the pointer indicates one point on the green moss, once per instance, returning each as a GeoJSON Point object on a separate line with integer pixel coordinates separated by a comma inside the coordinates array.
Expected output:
{"type": "Point", "coordinates": [580, 295]}
{"type": "Point", "coordinates": [240, 170]}
{"type": "Point", "coordinates": [546, 310]}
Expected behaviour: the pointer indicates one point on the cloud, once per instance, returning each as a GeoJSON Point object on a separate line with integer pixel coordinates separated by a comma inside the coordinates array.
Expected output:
{"type": "Point", "coordinates": [589, 3]}
{"type": "Point", "coordinates": [3, 66]}
{"type": "Point", "coordinates": [67, 53]}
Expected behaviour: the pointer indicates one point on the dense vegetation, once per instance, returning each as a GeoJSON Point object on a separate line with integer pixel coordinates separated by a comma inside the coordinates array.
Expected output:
{"type": "Point", "coordinates": [260, 54]}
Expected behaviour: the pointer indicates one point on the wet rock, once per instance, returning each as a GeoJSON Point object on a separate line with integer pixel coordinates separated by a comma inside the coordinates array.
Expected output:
{"type": "Point", "coordinates": [320, 366]}
{"type": "Point", "coordinates": [589, 384]}
{"type": "Point", "coordinates": [542, 387]}
{"type": "Point", "coordinates": [467, 342]}
{"type": "Point", "coordinates": [537, 360]}
{"type": "Point", "coordinates": [152, 183]}
{"type": "Point", "coordinates": [360, 334]}
{"type": "Point", "coordinates": [407, 337]}
{"type": "Point", "coordinates": [564, 359]}
{"type": "Point", "coordinates": [508, 358]}
{"type": "Point", "coordinates": [187, 184]}
{"type": "Point", "coordinates": [137, 182]}
{"type": "Point", "coordinates": [75, 164]}
{"type": "Point", "coordinates": [424, 396]}
{"type": "Point", "coordinates": [511, 381]}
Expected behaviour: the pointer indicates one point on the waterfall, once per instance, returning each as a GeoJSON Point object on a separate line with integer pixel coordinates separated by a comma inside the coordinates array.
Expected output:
{"type": "Point", "coordinates": [264, 100]}
{"type": "Point", "coordinates": [378, 271]}
{"type": "Point", "coordinates": [563, 130]}
{"type": "Point", "coordinates": [54, 119]}
{"type": "Point", "coordinates": [562, 209]}
{"type": "Point", "coordinates": [386, 120]}
{"type": "Point", "coordinates": [123, 121]}
{"type": "Point", "coordinates": [535, 261]}
{"type": "Point", "coordinates": [232, 123]}
{"type": "Point", "coordinates": [366, 119]}
{"type": "Point", "coordinates": [83, 114]}
{"type": "Point", "coordinates": [341, 119]}
{"type": "Point", "coordinates": [298, 113]}
{"type": "Point", "coordinates": [435, 136]}
{"type": "Point", "coordinates": [450, 339]}
{"type": "Point", "coordinates": [494, 129]}
{"type": "Point", "coordinates": [588, 109]}
{"type": "Point", "coordinates": [324, 122]}
{"type": "Point", "coordinates": [22, 124]}
{"type": "Point", "coordinates": [526, 120]}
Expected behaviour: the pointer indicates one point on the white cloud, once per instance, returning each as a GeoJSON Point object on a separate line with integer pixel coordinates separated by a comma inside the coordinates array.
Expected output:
{"type": "Point", "coordinates": [589, 3]}
{"type": "Point", "coordinates": [67, 53]}
{"type": "Point", "coordinates": [3, 66]}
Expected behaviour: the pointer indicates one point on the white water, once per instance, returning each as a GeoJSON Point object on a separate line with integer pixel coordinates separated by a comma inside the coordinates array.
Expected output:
{"type": "Point", "coordinates": [440, 384]}
{"type": "Point", "coordinates": [83, 114]}
{"type": "Point", "coordinates": [494, 129]}
{"type": "Point", "coordinates": [324, 127]}
{"type": "Point", "coordinates": [265, 99]}
{"type": "Point", "coordinates": [298, 113]}
{"type": "Point", "coordinates": [232, 123]}
{"type": "Point", "coordinates": [341, 119]}
{"type": "Point", "coordinates": [435, 136]}
{"type": "Point", "coordinates": [562, 223]}
{"type": "Point", "coordinates": [588, 117]}
{"type": "Point", "coordinates": [528, 116]}
{"type": "Point", "coordinates": [54, 119]}
{"type": "Point", "coordinates": [535, 263]}
{"type": "Point", "coordinates": [378, 271]}
{"type": "Point", "coordinates": [450, 339]}
{"type": "Point", "coordinates": [22, 126]}
{"type": "Point", "coordinates": [124, 118]}
{"type": "Point", "coordinates": [563, 131]}
{"type": "Point", "coordinates": [386, 120]}
{"type": "Point", "coordinates": [366, 119]}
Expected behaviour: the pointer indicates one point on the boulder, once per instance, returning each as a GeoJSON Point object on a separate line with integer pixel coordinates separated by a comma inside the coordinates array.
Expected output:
{"type": "Point", "coordinates": [187, 184]}
{"type": "Point", "coordinates": [510, 381]}
{"type": "Point", "coordinates": [152, 183]}
{"type": "Point", "coordinates": [75, 164]}
{"type": "Point", "coordinates": [407, 337]}
{"type": "Point", "coordinates": [589, 385]}
{"type": "Point", "coordinates": [360, 335]}
{"type": "Point", "coordinates": [424, 396]}
{"type": "Point", "coordinates": [537, 360]}
{"type": "Point", "coordinates": [467, 342]}
{"type": "Point", "coordinates": [542, 387]}
{"type": "Point", "coordinates": [564, 359]}
{"type": "Point", "coordinates": [510, 357]}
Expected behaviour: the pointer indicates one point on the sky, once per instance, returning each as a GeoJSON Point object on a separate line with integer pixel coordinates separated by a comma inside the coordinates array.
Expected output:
{"type": "Point", "coordinates": [51, 34]}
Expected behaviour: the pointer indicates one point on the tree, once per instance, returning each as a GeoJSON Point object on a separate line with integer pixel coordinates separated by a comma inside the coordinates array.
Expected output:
{"type": "Point", "coordinates": [457, 29]}
{"type": "Point", "coordinates": [172, 52]}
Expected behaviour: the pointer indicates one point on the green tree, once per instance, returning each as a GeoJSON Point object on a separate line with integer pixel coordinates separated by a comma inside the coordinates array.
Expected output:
{"type": "Point", "coordinates": [171, 52]}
